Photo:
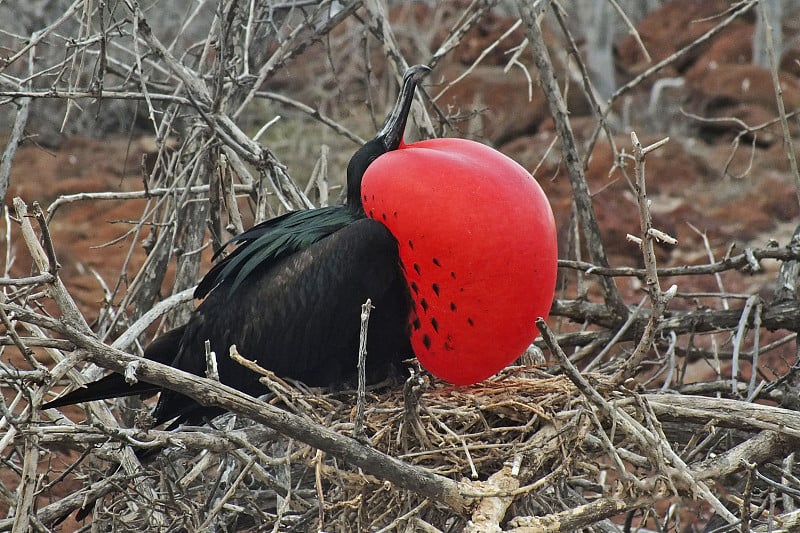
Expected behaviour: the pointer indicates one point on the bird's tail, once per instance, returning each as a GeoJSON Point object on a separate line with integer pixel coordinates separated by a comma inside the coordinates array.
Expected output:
{"type": "Point", "coordinates": [162, 350]}
{"type": "Point", "coordinates": [111, 386]}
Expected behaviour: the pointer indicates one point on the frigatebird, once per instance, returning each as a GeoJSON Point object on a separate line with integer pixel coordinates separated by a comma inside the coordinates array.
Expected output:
{"type": "Point", "coordinates": [290, 296]}
{"type": "Point", "coordinates": [453, 242]}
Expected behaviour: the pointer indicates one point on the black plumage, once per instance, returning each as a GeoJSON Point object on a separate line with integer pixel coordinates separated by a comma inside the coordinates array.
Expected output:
{"type": "Point", "coordinates": [290, 296]}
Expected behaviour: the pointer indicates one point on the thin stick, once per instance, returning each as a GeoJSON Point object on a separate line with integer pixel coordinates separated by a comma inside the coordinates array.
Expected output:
{"type": "Point", "coordinates": [7, 159]}
{"type": "Point", "coordinates": [788, 145]}
{"type": "Point", "coordinates": [737, 341]}
{"type": "Point", "coordinates": [658, 298]}
{"type": "Point", "coordinates": [580, 188]}
{"type": "Point", "coordinates": [358, 426]}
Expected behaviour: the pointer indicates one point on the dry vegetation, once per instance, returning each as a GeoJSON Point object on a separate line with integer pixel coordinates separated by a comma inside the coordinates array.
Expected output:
{"type": "Point", "coordinates": [618, 431]}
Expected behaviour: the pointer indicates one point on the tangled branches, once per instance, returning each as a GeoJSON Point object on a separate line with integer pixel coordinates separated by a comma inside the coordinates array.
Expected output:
{"type": "Point", "coordinates": [649, 415]}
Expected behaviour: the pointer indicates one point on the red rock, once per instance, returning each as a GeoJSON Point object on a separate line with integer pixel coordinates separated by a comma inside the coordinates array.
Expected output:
{"type": "Point", "coordinates": [497, 104]}
{"type": "Point", "coordinates": [666, 30]}
{"type": "Point", "coordinates": [732, 46]}
{"type": "Point", "coordinates": [727, 85]}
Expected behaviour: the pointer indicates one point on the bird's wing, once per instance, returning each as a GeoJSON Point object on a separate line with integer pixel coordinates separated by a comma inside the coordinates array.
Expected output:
{"type": "Point", "coordinates": [259, 247]}
{"type": "Point", "coordinates": [271, 240]}
{"type": "Point", "coordinates": [299, 316]}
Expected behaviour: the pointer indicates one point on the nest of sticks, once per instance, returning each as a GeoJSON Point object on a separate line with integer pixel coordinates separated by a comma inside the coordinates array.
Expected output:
{"type": "Point", "coordinates": [247, 477]}
{"type": "Point", "coordinates": [554, 449]}
{"type": "Point", "coordinates": [507, 430]}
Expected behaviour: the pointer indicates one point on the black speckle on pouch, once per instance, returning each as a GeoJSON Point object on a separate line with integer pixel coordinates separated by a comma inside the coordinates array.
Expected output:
{"type": "Point", "coordinates": [453, 275]}
{"type": "Point", "coordinates": [452, 306]}
{"type": "Point", "coordinates": [410, 244]}
{"type": "Point", "coordinates": [416, 324]}
{"type": "Point", "coordinates": [435, 288]}
{"type": "Point", "coordinates": [469, 321]}
{"type": "Point", "coordinates": [416, 267]}
{"type": "Point", "coordinates": [435, 325]}
{"type": "Point", "coordinates": [414, 287]}
{"type": "Point", "coordinates": [426, 340]}
{"type": "Point", "coordinates": [383, 216]}
{"type": "Point", "coordinates": [424, 304]}
{"type": "Point", "coordinates": [436, 262]}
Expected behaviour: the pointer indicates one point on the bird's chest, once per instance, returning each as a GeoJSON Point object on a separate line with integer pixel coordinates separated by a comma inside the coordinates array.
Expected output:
{"type": "Point", "coordinates": [477, 246]}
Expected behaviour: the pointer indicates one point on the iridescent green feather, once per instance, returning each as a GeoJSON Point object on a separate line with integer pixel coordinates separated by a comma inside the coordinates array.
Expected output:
{"type": "Point", "coordinates": [268, 242]}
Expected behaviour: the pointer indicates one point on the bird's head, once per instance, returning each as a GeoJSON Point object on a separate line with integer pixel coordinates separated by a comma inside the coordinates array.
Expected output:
{"type": "Point", "coordinates": [389, 138]}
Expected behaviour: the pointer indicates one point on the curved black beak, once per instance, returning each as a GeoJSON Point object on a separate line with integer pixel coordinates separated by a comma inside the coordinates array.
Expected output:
{"type": "Point", "coordinates": [389, 138]}
{"type": "Point", "coordinates": [391, 134]}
